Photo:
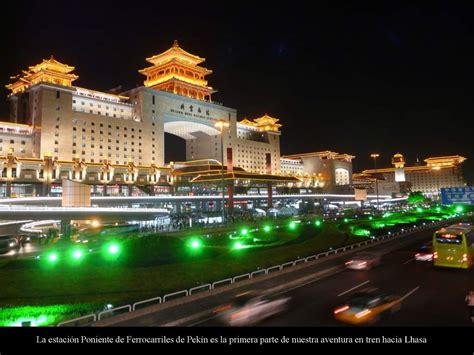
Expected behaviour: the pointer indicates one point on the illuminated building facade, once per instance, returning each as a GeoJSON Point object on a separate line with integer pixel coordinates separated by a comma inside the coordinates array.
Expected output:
{"type": "Point", "coordinates": [327, 169]}
{"type": "Point", "coordinates": [72, 123]}
{"type": "Point", "coordinates": [438, 172]}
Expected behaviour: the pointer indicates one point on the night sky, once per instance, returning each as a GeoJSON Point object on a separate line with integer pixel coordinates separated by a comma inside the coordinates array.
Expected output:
{"type": "Point", "coordinates": [346, 78]}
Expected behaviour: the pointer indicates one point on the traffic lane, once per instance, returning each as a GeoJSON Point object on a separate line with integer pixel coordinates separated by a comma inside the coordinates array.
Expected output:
{"type": "Point", "coordinates": [324, 290]}
{"type": "Point", "coordinates": [317, 302]}
{"type": "Point", "coordinates": [313, 303]}
{"type": "Point", "coordinates": [438, 297]}
{"type": "Point", "coordinates": [440, 301]}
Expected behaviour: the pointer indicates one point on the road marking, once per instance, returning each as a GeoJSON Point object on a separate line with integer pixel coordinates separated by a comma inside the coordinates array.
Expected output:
{"type": "Point", "coordinates": [307, 283]}
{"type": "Point", "coordinates": [353, 288]}
{"type": "Point", "coordinates": [188, 319]}
{"type": "Point", "coordinates": [409, 293]}
{"type": "Point", "coordinates": [408, 261]}
{"type": "Point", "coordinates": [202, 321]}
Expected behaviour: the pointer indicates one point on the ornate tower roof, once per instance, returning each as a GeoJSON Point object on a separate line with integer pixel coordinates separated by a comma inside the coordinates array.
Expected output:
{"type": "Point", "coordinates": [398, 160]}
{"type": "Point", "coordinates": [178, 71]}
{"type": "Point", "coordinates": [265, 123]}
{"type": "Point", "coordinates": [175, 52]}
{"type": "Point", "coordinates": [48, 71]}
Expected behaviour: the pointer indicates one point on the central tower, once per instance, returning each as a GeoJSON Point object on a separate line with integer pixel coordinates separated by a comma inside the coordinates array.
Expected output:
{"type": "Point", "coordinates": [178, 71]}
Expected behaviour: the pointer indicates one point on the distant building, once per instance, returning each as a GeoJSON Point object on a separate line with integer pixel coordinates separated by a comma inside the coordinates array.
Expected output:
{"type": "Point", "coordinates": [327, 169]}
{"type": "Point", "coordinates": [438, 172]}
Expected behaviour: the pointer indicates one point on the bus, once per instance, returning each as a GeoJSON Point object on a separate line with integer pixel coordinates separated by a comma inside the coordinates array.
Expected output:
{"type": "Point", "coordinates": [453, 246]}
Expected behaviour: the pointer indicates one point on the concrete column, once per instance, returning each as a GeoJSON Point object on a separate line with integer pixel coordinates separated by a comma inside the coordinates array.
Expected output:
{"type": "Point", "coordinates": [268, 161]}
{"type": "Point", "coordinates": [270, 194]}
{"type": "Point", "coordinates": [230, 193]}
{"type": "Point", "coordinates": [8, 189]}
{"type": "Point", "coordinates": [65, 229]}
{"type": "Point", "coordinates": [44, 189]}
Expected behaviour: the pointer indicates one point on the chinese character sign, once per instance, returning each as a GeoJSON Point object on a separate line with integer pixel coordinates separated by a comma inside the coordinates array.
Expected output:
{"type": "Point", "coordinates": [453, 195]}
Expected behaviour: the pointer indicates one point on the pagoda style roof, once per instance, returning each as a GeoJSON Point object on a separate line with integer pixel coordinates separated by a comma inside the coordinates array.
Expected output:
{"type": "Point", "coordinates": [174, 62]}
{"type": "Point", "coordinates": [53, 65]}
{"type": "Point", "coordinates": [247, 122]}
{"type": "Point", "coordinates": [432, 163]}
{"type": "Point", "coordinates": [178, 71]}
{"type": "Point", "coordinates": [175, 52]}
{"type": "Point", "coordinates": [264, 123]}
{"type": "Point", "coordinates": [442, 161]}
{"type": "Point", "coordinates": [48, 71]}
{"type": "Point", "coordinates": [327, 154]}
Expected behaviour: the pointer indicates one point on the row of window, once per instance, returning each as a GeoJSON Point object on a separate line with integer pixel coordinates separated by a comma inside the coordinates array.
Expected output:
{"type": "Point", "coordinates": [22, 150]}
{"type": "Point", "coordinates": [98, 105]}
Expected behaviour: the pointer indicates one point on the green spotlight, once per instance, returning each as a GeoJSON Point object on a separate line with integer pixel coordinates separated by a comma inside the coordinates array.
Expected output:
{"type": "Point", "coordinates": [267, 228]}
{"type": "Point", "coordinates": [317, 223]}
{"type": "Point", "coordinates": [113, 249]}
{"type": "Point", "coordinates": [346, 220]}
{"type": "Point", "coordinates": [371, 218]}
{"type": "Point", "coordinates": [292, 225]}
{"type": "Point", "coordinates": [459, 209]}
{"type": "Point", "coordinates": [438, 209]}
{"type": "Point", "coordinates": [419, 209]}
{"type": "Point", "coordinates": [195, 244]}
{"type": "Point", "coordinates": [53, 257]}
{"type": "Point", "coordinates": [238, 245]}
{"type": "Point", "coordinates": [244, 231]}
{"type": "Point", "coordinates": [77, 254]}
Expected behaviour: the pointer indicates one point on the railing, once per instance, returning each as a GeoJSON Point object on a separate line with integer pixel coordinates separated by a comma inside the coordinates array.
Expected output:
{"type": "Point", "coordinates": [256, 273]}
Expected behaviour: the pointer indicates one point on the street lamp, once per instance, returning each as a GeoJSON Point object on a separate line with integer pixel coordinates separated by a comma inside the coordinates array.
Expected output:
{"type": "Point", "coordinates": [221, 123]}
{"type": "Point", "coordinates": [375, 156]}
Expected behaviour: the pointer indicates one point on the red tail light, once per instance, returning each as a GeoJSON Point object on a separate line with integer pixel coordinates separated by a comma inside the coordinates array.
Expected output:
{"type": "Point", "coordinates": [417, 254]}
{"type": "Point", "coordinates": [341, 309]}
{"type": "Point", "coordinates": [222, 308]}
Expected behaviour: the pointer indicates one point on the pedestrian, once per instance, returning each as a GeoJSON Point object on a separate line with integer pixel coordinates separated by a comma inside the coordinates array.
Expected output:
{"type": "Point", "coordinates": [470, 304]}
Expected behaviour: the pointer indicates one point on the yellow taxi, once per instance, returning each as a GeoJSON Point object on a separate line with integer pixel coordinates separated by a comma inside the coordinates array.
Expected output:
{"type": "Point", "coordinates": [367, 307]}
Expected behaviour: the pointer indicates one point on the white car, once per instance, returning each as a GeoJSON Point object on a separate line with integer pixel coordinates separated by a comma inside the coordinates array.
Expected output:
{"type": "Point", "coordinates": [363, 261]}
{"type": "Point", "coordinates": [249, 308]}
{"type": "Point", "coordinates": [425, 253]}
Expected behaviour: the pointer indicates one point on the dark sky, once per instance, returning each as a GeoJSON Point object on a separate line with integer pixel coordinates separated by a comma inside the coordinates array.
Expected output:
{"type": "Point", "coordinates": [392, 78]}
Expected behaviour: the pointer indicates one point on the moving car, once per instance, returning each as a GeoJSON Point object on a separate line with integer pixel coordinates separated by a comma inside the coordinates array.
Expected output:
{"type": "Point", "coordinates": [425, 253]}
{"type": "Point", "coordinates": [249, 308]}
{"type": "Point", "coordinates": [363, 261]}
{"type": "Point", "coordinates": [7, 243]}
{"type": "Point", "coordinates": [367, 307]}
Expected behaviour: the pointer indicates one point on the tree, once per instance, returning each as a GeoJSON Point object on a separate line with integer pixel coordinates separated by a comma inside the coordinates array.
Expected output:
{"type": "Point", "coordinates": [416, 198]}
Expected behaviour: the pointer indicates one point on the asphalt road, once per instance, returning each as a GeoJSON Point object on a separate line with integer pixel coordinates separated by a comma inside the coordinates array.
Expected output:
{"type": "Point", "coordinates": [434, 297]}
